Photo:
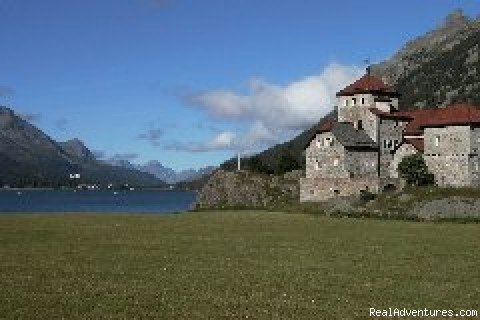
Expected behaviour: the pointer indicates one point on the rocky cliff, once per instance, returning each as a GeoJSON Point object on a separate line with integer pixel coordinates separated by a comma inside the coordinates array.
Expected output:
{"type": "Point", "coordinates": [243, 189]}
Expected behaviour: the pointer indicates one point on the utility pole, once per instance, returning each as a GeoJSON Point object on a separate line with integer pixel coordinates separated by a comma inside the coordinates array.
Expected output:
{"type": "Point", "coordinates": [238, 161]}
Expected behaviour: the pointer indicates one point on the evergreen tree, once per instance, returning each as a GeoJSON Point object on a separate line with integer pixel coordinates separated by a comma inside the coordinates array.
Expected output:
{"type": "Point", "coordinates": [415, 171]}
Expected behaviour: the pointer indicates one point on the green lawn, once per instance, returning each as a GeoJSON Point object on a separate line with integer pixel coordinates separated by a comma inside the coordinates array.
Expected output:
{"type": "Point", "coordinates": [231, 265]}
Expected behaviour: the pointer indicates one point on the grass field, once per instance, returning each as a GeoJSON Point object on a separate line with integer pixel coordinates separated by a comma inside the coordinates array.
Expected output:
{"type": "Point", "coordinates": [231, 265]}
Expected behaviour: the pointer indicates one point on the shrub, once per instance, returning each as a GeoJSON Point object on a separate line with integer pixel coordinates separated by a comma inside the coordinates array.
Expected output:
{"type": "Point", "coordinates": [366, 195]}
{"type": "Point", "coordinates": [415, 171]}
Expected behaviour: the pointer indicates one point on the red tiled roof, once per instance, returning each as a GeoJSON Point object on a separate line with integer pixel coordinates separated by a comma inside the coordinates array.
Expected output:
{"type": "Point", "coordinates": [416, 142]}
{"type": "Point", "coordinates": [365, 84]}
{"type": "Point", "coordinates": [459, 114]}
{"type": "Point", "coordinates": [326, 126]}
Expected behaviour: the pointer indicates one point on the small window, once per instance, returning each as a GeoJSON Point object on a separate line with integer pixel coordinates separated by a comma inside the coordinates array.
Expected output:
{"type": "Point", "coordinates": [354, 101]}
{"type": "Point", "coordinates": [335, 162]}
{"type": "Point", "coordinates": [437, 141]}
{"type": "Point", "coordinates": [387, 144]}
{"type": "Point", "coordinates": [329, 141]}
{"type": "Point", "coordinates": [363, 101]}
{"type": "Point", "coordinates": [346, 102]}
{"type": "Point", "coordinates": [359, 125]}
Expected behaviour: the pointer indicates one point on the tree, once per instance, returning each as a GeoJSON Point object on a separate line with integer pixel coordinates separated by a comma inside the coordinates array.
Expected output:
{"type": "Point", "coordinates": [287, 163]}
{"type": "Point", "coordinates": [415, 171]}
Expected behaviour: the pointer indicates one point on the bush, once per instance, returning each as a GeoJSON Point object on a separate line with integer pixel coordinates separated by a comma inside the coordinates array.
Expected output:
{"type": "Point", "coordinates": [366, 195]}
{"type": "Point", "coordinates": [415, 171]}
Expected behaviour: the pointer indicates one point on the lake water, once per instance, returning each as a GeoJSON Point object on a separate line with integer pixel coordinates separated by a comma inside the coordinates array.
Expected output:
{"type": "Point", "coordinates": [96, 201]}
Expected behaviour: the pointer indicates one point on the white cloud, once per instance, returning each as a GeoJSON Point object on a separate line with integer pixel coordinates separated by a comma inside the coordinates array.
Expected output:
{"type": "Point", "coordinates": [274, 112]}
{"type": "Point", "coordinates": [257, 136]}
{"type": "Point", "coordinates": [222, 141]}
{"type": "Point", "coordinates": [293, 106]}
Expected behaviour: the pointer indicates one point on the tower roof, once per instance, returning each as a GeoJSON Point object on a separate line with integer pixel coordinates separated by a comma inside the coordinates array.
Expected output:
{"type": "Point", "coordinates": [367, 84]}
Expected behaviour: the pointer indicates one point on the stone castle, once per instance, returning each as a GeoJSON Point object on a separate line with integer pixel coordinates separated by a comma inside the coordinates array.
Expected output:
{"type": "Point", "coordinates": [361, 150]}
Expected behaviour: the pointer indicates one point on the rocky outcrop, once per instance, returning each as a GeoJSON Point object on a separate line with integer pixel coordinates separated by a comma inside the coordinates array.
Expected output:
{"type": "Point", "coordinates": [448, 208]}
{"type": "Point", "coordinates": [243, 189]}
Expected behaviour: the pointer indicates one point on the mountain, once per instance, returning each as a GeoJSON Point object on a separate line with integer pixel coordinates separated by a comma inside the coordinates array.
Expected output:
{"type": "Point", "coordinates": [433, 70]}
{"type": "Point", "coordinates": [439, 68]}
{"type": "Point", "coordinates": [120, 163]}
{"type": "Point", "coordinates": [171, 176]}
{"type": "Point", "coordinates": [75, 149]}
{"type": "Point", "coordinates": [166, 174]}
{"type": "Point", "coordinates": [155, 168]}
{"type": "Point", "coordinates": [192, 174]}
{"type": "Point", "coordinates": [31, 158]}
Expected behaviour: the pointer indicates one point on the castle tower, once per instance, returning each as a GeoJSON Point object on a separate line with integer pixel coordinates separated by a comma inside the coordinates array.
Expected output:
{"type": "Point", "coordinates": [356, 101]}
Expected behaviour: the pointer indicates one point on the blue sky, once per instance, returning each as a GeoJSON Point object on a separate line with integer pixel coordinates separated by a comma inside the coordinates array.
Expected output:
{"type": "Point", "coordinates": [189, 82]}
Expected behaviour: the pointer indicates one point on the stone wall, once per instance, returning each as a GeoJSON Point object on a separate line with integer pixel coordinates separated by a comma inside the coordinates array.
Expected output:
{"type": "Point", "coordinates": [321, 189]}
{"type": "Point", "coordinates": [391, 136]}
{"type": "Point", "coordinates": [474, 158]}
{"type": "Point", "coordinates": [448, 153]}
{"type": "Point", "coordinates": [361, 163]}
{"type": "Point", "coordinates": [325, 159]}
{"type": "Point", "coordinates": [360, 112]}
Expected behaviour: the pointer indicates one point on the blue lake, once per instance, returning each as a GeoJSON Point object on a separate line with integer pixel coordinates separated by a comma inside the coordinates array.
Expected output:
{"type": "Point", "coordinates": [96, 201]}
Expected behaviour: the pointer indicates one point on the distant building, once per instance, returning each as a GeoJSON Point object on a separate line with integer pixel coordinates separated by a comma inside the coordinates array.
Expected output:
{"type": "Point", "coordinates": [74, 175]}
{"type": "Point", "coordinates": [361, 150]}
